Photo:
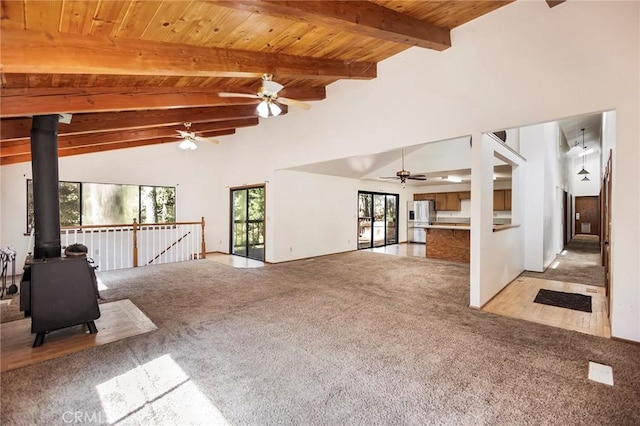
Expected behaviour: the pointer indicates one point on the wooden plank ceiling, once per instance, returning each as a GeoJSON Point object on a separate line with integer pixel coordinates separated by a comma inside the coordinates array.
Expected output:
{"type": "Point", "coordinates": [132, 72]}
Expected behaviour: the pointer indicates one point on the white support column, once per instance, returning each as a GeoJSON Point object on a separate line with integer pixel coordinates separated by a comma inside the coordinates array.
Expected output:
{"type": "Point", "coordinates": [481, 212]}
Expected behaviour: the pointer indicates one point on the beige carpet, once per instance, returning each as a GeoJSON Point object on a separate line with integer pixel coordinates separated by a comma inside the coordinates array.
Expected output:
{"type": "Point", "coordinates": [354, 338]}
{"type": "Point", "coordinates": [580, 263]}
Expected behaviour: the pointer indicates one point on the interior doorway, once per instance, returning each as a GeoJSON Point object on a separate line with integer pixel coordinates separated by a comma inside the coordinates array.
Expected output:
{"type": "Point", "coordinates": [587, 217]}
{"type": "Point", "coordinates": [377, 219]}
{"type": "Point", "coordinates": [247, 221]}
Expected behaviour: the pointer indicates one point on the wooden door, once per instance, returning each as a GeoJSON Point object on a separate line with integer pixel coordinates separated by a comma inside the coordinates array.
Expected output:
{"type": "Point", "coordinates": [565, 212]}
{"type": "Point", "coordinates": [606, 227]}
{"type": "Point", "coordinates": [587, 217]}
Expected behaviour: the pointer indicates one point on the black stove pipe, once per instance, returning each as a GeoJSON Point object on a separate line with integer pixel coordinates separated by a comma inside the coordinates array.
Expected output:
{"type": "Point", "coordinates": [46, 190]}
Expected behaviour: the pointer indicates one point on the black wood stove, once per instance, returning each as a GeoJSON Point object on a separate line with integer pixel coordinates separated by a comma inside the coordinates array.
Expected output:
{"type": "Point", "coordinates": [56, 291]}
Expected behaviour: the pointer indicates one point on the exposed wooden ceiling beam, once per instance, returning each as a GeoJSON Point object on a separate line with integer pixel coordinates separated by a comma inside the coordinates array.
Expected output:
{"type": "Point", "coordinates": [23, 146]}
{"type": "Point", "coordinates": [357, 17]}
{"type": "Point", "coordinates": [28, 51]}
{"type": "Point", "coordinates": [16, 104]}
{"type": "Point", "coordinates": [17, 128]}
{"type": "Point", "coordinates": [106, 147]}
{"type": "Point", "coordinates": [553, 3]}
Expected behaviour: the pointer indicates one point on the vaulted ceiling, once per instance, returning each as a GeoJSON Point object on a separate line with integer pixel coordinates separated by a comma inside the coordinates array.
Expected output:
{"type": "Point", "coordinates": [132, 72]}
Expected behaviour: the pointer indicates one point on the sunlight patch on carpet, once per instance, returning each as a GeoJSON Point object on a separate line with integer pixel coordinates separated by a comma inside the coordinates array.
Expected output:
{"type": "Point", "coordinates": [600, 373]}
{"type": "Point", "coordinates": [158, 392]}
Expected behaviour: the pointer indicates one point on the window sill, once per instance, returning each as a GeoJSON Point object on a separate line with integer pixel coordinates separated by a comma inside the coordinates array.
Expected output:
{"type": "Point", "coordinates": [497, 228]}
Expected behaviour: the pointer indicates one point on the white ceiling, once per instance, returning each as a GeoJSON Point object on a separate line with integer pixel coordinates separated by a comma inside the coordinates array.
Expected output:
{"type": "Point", "coordinates": [440, 159]}
{"type": "Point", "coordinates": [435, 160]}
{"type": "Point", "coordinates": [592, 125]}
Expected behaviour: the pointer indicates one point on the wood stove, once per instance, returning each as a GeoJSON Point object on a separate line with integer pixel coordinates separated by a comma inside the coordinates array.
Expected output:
{"type": "Point", "coordinates": [56, 291]}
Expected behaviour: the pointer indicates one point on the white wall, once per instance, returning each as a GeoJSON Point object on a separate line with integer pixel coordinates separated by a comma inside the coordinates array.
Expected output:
{"type": "Point", "coordinates": [164, 165]}
{"type": "Point", "coordinates": [593, 165]}
{"type": "Point", "coordinates": [553, 209]}
{"type": "Point", "coordinates": [318, 214]}
{"type": "Point", "coordinates": [543, 186]}
{"type": "Point", "coordinates": [496, 257]}
{"type": "Point", "coordinates": [545, 64]}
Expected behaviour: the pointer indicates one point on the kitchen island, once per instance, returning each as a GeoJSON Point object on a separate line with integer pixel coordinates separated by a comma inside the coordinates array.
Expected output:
{"type": "Point", "coordinates": [449, 242]}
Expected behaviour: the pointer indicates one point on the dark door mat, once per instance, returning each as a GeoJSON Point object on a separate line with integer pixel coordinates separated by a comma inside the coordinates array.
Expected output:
{"type": "Point", "coordinates": [578, 302]}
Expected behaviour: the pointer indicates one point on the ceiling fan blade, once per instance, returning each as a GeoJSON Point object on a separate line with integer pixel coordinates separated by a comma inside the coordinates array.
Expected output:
{"type": "Point", "coordinates": [271, 87]}
{"type": "Point", "coordinates": [293, 102]}
{"type": "Point", "coordinates": [184, 134]}
{"type": "Point", "coordinates": [237, 95]}
{"type": "Point", "coordinates": [388, 177]}
{"type": "Point", "coordinates": [206, 140]}
{"type": "Point", "coordinates": [417, 177]}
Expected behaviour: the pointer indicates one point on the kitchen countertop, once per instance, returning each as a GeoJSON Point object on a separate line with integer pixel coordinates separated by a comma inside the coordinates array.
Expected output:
{"type": "Point", "coordinates": [454, 227]}
{"type": "Point", "coordinates": [468, 227]}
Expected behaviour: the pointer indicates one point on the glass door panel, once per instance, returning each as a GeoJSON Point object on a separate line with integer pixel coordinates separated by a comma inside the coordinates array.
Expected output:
{"type": "Point", "coordinates": [377, 219]}
{"type": "Point", "coordinates": [239, 222]}
{"type": "Point", "coordinates": [392, 219]}
{"type": "Point", "coordinates": [379, 214]}
{"type": "Point", "coordinates": [247, 222]}
{"type": "Point", "coordinates": [365, 206]}
{"type": "Point", "coordinates": [255, 231]}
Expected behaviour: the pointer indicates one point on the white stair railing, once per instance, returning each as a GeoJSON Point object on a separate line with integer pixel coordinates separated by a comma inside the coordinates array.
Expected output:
{"type": "Point", "coordinates": [131, 245]}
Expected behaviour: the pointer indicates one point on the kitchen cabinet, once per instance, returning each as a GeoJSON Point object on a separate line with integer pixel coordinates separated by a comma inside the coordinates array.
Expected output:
{"type": "Point", "coordinates": [502, 200]}
{"type": "Point", "coordinates": [453, 201]}
{"type": "Point", "coordinates": [445, 201]}
{"type": "Point", "coordinates": [424, 197]}
{"type": "Point", "coordinates": [465, 195]}
{"type": "Point", "coordinates": [507, 199]}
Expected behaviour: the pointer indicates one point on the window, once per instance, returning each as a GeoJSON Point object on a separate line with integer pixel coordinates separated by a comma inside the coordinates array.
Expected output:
{"type": "Point", "coordinates": [109, 204]}
{"type": "Point", "coordinates": [69, 204]}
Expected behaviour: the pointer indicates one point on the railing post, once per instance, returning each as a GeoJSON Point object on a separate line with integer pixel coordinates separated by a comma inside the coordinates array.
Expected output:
{"type": "Point", "coordinates": [203, 254]}
{"type": "Point", "coordinates": [135, 243]}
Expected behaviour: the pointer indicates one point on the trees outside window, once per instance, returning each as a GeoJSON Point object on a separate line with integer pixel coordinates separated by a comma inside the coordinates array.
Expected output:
{"type": "Point", "coordinates": [109, 204]}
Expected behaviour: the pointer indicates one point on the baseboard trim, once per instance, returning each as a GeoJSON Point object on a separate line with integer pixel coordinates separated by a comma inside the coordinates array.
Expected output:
{"type": "Point", "coordinates": [620, 339]}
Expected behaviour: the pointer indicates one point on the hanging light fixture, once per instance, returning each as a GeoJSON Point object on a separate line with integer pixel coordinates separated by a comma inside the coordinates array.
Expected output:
{"type": "Point", "coordinates": [583, 171]}
{"type": "Point", "coordinates": [267, 108]}
{"type": "Point", "coordinates": [585, 179]}
{"type": "Point", "coordinates": [188, 145]}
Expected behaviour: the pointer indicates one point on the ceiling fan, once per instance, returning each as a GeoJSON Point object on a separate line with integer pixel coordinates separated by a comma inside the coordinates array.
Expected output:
{"type": "Point", "coordinates": [269, 99]}
{"type": "Point", "coordinates": [190, 138]}
{"type": "Point", "coordinates": [403, 174]}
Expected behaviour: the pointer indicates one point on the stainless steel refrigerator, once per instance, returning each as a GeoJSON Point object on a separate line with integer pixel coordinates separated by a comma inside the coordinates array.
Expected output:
{"type": "Point", "coordinates": [419, 215]}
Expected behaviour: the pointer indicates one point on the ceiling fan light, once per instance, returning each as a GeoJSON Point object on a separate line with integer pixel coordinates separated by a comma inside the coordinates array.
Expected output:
{"type": "Point", "coordinates": [275, 109]}
{"type": "Point", "coordinates": [187, 145]}
{"type": "Point", "coordinates": [263, 109]}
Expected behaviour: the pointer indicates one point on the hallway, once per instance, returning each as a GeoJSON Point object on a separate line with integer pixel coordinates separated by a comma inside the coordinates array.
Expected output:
{"type": "Point", "coordinates": [575, 270]}
{"type": "Point", "coordinates": [579, 262]}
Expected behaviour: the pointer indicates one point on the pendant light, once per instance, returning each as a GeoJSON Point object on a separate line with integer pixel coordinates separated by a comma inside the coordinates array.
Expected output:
{"type": "Point", "coordinates": [583, 171]}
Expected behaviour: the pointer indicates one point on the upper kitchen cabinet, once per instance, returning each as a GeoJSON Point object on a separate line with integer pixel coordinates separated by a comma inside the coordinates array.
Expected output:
{"type": "Point", "coordinates": [447, 201]}
{"type": "Point", "coordinates": [501, 199]}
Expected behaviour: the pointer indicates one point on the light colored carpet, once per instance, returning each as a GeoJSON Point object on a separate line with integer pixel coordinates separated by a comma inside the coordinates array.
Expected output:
{"type": "Point", "coordinates": [580, 263]}
{"type": "Point", "coordinates": [354, 338]}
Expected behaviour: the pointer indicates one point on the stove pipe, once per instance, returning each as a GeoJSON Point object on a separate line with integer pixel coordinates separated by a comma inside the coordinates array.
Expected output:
{"type": "Point", "coordinates": [46, 190]}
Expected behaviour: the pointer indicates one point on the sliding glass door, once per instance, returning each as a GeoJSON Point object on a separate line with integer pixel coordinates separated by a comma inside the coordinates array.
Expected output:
{"type": "Point", "coordinates": [377, 219]}
{"type": "Point", "coordinates": [247, 222]}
